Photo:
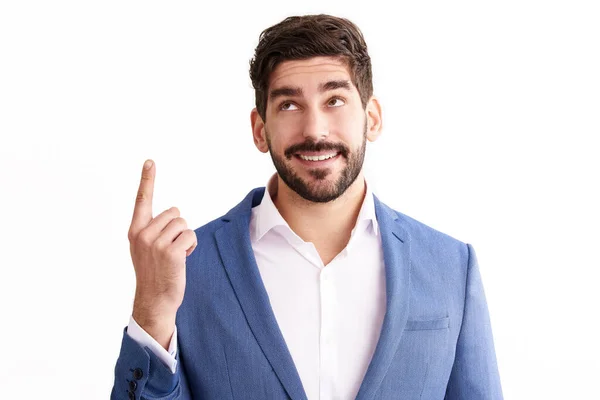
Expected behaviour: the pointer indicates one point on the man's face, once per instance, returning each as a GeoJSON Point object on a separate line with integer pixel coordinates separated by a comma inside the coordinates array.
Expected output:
{"type": "Point", "coordinates": [316, 127]}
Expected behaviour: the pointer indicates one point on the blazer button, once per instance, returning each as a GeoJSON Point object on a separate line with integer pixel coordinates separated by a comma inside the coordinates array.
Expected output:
{"type": "Point", "coordinates": [132, 385]}
{"type": "Point", "coordinates": [138, 373]}
{"type": "Point", "coordinates": [131, 395]}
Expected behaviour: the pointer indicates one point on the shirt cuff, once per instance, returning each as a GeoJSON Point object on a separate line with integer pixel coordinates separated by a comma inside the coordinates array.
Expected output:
{"type": "Point", "coordinates": [145, 340]}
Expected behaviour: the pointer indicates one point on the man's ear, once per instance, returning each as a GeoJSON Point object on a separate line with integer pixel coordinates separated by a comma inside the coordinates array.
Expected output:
{"type": "Point", "coordinates": [374, 119]}
{"type": "Point", "coordinates": [258, 131]}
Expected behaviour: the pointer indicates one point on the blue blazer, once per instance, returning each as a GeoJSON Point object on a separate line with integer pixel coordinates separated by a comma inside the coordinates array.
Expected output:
{"type": "Point", "coordinates": [435, 343]}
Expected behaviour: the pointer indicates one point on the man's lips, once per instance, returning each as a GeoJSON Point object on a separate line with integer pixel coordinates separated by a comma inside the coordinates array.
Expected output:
{"type": "Point", "coordinates": [316, 153]}
{"type": "Point", "coordinates": [317, 159]}
{"type": "Point", "coordinates": [315, 150]}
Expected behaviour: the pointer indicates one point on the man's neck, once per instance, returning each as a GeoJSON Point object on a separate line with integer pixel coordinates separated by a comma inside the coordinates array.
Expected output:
{"type": "Point", "coordinates": [324, 224]}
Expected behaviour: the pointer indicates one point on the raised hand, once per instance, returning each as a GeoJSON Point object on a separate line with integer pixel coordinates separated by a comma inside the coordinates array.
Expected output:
{"type": "Point", "coordinates": [159, 247]}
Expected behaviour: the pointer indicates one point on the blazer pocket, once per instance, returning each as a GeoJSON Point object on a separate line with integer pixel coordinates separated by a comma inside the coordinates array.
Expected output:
{"type": "Point", "coordinates": [427, 325]}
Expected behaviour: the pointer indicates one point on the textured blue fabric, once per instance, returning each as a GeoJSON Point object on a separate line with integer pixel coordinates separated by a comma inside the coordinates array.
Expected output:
{"type": "Point", "coordinates": [435, 343]}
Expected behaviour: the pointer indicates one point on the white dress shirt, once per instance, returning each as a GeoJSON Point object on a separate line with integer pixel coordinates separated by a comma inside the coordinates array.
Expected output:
{"type": "Point", "coordinates": [330, 316]}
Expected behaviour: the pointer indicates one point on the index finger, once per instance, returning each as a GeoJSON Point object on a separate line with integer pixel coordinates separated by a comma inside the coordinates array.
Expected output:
{"type": "Point", "coordinates": [142, 212]}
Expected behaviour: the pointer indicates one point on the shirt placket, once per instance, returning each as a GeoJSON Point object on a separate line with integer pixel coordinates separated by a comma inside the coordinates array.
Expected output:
{"type": "Point", "coordinates": [328, 346]}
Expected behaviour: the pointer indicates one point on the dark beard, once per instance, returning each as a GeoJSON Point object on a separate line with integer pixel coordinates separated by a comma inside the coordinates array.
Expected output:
{"type": "Point", "coordinates": [322, 193]}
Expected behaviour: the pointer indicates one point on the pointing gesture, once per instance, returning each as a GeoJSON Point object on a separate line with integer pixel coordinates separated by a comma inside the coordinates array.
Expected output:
{"type": "Point", "coordinates": [142, 212]}
{"type": "Point", "coordinates": [159, 247]}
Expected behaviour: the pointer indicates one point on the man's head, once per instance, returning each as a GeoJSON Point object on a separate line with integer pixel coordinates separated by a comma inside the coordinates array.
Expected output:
{"type": "Point", "coordinates": [314, 99]}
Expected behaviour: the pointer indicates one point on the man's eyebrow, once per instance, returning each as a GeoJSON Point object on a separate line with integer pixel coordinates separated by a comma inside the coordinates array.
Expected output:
{"type": "Point", "coordinates": [286, 91]}
{"type": "Point", "coordinates": [332, 85]}
{"type": "Point", "coordinates": [289, 91]}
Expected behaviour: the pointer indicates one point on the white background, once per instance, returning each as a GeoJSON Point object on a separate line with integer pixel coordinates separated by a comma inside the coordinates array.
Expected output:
{"type": "Point", "coordinates": [491, 120]}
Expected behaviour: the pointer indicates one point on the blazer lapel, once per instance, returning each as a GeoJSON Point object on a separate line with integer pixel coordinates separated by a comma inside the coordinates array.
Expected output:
{"type": "Point", "coordinates": [396, 254]}
{"type": "Point", "coordinates": [233, 241]}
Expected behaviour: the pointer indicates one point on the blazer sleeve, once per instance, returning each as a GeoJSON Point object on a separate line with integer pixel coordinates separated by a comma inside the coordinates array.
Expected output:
{"type": "Point", "coordinates": [141, 374]}
{"type": "Point", "coordinates": [474, 375]}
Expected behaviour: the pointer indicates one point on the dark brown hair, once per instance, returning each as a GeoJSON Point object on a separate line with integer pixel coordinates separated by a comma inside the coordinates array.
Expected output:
{"type": "Point", "coordinates": [302, 37]}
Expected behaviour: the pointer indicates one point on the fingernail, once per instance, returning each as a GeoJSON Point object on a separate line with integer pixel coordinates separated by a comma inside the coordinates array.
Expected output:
{"type": "Point", "coordinates": [147, 164]}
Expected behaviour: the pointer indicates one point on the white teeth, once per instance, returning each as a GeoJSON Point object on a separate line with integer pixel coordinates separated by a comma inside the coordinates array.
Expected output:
{"type": "Point", "coordinates": [317, 158]}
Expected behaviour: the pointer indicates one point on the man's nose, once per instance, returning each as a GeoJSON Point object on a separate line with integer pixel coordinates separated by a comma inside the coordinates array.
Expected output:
{"type": "Point", "coordinates": [316, 125]}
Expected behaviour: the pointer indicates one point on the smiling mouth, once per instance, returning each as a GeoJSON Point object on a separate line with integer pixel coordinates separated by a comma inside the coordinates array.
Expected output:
{"type": "Point", "coordinates": [317, 157]}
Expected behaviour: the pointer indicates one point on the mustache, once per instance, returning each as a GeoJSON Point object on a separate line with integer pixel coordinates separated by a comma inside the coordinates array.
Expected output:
{"type": "Point", "coordinates": [317, 146]}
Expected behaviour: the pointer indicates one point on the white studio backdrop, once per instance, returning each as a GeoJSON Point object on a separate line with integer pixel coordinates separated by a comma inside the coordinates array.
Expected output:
{"type": "Point", "coordinates": [491, 118]}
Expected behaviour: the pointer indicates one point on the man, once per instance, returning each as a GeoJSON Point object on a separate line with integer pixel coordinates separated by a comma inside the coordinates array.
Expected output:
{"type": "Point", "coordinates": [310, 287]}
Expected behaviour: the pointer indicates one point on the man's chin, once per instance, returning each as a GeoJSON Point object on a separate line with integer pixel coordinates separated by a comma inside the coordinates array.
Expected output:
{"type": "Point", "coordinates": [319, 191]}
{"type": "Point", "coordinates": [318, 175]}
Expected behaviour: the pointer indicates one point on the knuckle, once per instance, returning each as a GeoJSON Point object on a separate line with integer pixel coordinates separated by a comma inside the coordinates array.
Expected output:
{"type": "Point", "coordinates": [175, 210]}
{"type": "Point", "coordinates": [146, 176]}
{"type": "Point", "coordinates": [140, 197]}
{"type": "Point", "coordinates": [145, 239]}
{"type": "Point", "coordinates": [172, 252]}
{"type": "Point", "coordinates": [190, 237]}
{"type": "Point", "coordinates": [181, 223]}
{"type": "Point", "coordinates": [160, 248]}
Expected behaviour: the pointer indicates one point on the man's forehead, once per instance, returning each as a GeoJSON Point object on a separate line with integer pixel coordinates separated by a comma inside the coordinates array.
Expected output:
{"type": "Point", "coordinates": [312, 71]}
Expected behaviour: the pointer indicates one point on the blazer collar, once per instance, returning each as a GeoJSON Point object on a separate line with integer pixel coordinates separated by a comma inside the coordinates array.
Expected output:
{"type": "Point", "coordinates": [233, 242]}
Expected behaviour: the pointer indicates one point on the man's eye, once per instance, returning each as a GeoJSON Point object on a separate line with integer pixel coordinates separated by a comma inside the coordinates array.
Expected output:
{"type": "Point", "coordinates": [286, 106]}
{"type": "Point", "coordinates": [336, 102]}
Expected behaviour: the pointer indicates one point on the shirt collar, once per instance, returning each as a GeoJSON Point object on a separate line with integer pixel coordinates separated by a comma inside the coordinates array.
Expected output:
{"type": "Point", "coordinates": [266, 216]}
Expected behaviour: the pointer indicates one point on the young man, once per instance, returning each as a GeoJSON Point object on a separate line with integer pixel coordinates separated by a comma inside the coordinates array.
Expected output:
{"type": "Point", "coordinates": [310, 287]}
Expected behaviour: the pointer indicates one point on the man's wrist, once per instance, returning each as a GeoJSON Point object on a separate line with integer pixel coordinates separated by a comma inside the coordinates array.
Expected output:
{"type": "Point", "coordinates": [168, 357]}
{"type": "Point", "coordinates": [161, 328]}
